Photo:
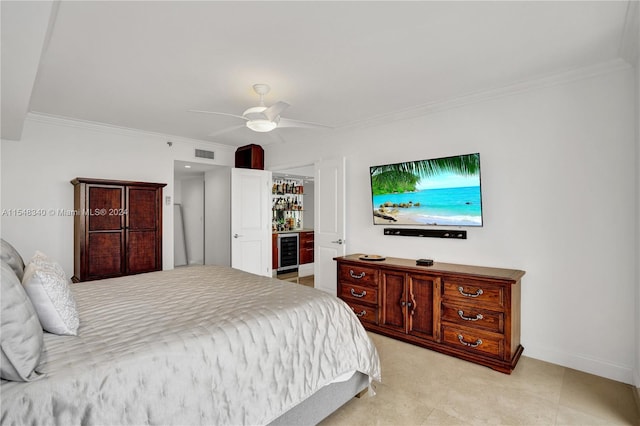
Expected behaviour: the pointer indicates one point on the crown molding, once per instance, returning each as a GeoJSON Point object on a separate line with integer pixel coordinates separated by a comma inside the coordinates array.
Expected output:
{"type": "Point", "coordinates": [56, 120]}
{"type": "Point", "coordinates": [542, 82]}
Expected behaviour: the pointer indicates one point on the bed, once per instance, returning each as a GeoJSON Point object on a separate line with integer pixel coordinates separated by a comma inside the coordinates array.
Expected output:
{"type": "Point", "coordinates": [195, 345]}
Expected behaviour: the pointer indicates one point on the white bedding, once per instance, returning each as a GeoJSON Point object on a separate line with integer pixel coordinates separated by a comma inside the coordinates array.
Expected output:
{"type": "Point", "coordinates": [197, 345]}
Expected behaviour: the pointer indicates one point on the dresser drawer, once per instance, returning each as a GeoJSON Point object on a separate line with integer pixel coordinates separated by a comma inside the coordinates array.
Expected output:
{"type": "Point", "coordinates": [475, 292]}
{"type": "Point", "coordinates": [358, 294]}
{"type": "Point", "coordinates": [471, 316]}
{"type": "Point", "coordinates": [474, 340]}
{"type": "Point", "coordinates": [365, 313]}
{"type": "Point", "coordinates": [359, 275]}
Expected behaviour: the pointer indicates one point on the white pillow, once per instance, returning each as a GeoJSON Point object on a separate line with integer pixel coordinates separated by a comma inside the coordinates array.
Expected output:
{"type": "Point", "coordinates": [20, 331]}
{"type": "Point", "coordinates": [11, 256]}
{"type": "Point", "coordinates": [48, 288]}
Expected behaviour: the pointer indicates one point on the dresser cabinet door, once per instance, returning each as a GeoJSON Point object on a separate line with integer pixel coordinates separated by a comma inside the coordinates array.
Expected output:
{"type": "Point", "coordinates": [422, 308]}
{"type": "Point", "coordinates": [393, 303]}
{"type": "Point", "coordinates": [408, 303]}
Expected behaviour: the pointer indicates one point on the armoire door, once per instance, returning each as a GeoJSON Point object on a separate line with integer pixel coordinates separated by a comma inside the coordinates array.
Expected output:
{"type": "Point", "coordinates": [142, 229]}
{"type": "Point", "coordinates": [105, 231]}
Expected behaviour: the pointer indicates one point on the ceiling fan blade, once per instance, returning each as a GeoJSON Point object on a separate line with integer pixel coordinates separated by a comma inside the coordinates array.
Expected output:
{"type": "Point", "coordinates": [275, 110]}
{"type": "Point", "coordinates": [287, 122]}
{"type": "Point", "coordinates": [277, 137]}
{"type": "Point", "coordinates": [227, 130]}
{"type": "Point", "coordinates": [216, 113]}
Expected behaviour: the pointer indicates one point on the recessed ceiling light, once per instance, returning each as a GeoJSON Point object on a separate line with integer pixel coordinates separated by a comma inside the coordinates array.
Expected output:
{"type": "Point", "coordinates": [187, 166]}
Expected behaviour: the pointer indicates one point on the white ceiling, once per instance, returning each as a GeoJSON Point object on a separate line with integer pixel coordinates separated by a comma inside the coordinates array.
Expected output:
{"type": "Point", "coordinates": [143, 64]}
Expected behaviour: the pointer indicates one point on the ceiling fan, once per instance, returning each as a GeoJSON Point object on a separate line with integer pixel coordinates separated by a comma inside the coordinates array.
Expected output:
{"type": "Point", "coordinates": [262, 118]}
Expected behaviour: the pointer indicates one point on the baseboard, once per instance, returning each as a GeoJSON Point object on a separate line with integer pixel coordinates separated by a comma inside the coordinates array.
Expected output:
{"type": "Point", "coordinates": [583, 363]}
{"type": "Point", "coordinates": [305, 270]}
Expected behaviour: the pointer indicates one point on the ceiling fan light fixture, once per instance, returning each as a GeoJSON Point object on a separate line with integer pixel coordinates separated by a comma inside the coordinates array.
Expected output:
{"type": "Point", "coordinates": [261, 125]}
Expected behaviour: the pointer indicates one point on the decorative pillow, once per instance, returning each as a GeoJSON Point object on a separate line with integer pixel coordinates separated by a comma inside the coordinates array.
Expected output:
{"type": "Point", "coordinates": [48, 288]}
{"type": "Point", "coordinates": [20, 331]}
{"type": "Point", "coordinates": [11, 256]}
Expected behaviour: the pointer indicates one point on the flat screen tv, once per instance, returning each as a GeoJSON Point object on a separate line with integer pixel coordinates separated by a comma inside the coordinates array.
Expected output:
{"type": "Point", "coordinates": [436, 192]}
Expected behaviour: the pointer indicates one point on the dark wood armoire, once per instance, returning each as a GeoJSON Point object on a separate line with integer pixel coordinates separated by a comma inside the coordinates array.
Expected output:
{"type": "Point", "coordinates": [117, 228]}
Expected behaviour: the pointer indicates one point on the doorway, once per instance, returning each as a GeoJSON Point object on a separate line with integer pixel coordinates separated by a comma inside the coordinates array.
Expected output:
{"type": "Point", "coordinates": [302, 176]}
{"type": "Point", "coordinates": [202, 218]}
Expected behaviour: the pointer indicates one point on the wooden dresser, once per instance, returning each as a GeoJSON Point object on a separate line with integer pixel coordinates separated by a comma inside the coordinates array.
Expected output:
{"type": "Point", "coordinates": [470, 312]}
{"type": "Point", "coordinates": [117, 228]}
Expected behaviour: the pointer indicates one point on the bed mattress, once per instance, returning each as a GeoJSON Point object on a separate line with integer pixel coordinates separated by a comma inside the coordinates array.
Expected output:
{"type": "Point", "coordinates": [193, 345]}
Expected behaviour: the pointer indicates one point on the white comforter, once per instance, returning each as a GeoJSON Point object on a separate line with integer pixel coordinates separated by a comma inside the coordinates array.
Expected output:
{"type": "Point", "coordinates": [198, 345]}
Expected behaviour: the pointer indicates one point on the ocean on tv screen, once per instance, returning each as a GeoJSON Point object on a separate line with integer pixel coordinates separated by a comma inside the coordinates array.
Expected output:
{"type": "Point", "coordinates": [443, 206]}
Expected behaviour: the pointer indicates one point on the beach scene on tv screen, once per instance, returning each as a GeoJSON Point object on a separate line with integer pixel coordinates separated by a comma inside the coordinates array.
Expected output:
{"type": "Point", "coordinates": [442, 191]}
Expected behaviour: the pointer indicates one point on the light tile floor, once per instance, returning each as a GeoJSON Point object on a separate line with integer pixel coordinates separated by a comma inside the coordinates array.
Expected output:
{"type": "Point", "coordinates": [293, 277]}
{"type": "Point", "coordinates": [423, 387]}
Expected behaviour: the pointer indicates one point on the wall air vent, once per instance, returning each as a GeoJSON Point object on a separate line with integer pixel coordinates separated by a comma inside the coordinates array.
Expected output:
{"type": "Point", "coordinates": [201, 153]}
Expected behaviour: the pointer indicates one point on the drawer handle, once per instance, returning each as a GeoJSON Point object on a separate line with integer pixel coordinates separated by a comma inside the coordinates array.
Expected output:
{"type": "Point", "coordinates": [466, 318]}
{"type": "Point", "coordinates": [354, 294]}
{"type": "Point", "coordinates": [356, 276]}
{"type": "Point", "coordinates": [476, 294]}
{"type": "Point", "coordinates": [360, 314]}
{"type": "Point", "coordinates": [471, 345]}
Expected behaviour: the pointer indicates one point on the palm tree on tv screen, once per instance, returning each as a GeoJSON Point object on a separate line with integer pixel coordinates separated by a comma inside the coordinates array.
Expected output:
{"type": "Point", "coordinates": [402, 177]}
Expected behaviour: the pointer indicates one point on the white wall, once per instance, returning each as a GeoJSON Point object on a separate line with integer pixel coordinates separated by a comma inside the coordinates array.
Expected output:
{"type": "Point", "coordinates": [218, 216]}
{"type": "Point", "coordinates": [558, 168]}
{"type": "Point", "coordinates": [36, 172]}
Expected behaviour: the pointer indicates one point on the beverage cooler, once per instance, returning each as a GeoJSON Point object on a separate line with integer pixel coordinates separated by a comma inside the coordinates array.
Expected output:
{"type": "Point", "coordinates": [288, 252]}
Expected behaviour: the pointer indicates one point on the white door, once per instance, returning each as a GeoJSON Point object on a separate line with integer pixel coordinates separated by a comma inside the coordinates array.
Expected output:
{"type": "Point", "coordinates": [251, 221]}
{"type": "Point", "coordinates": [329, 221]}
